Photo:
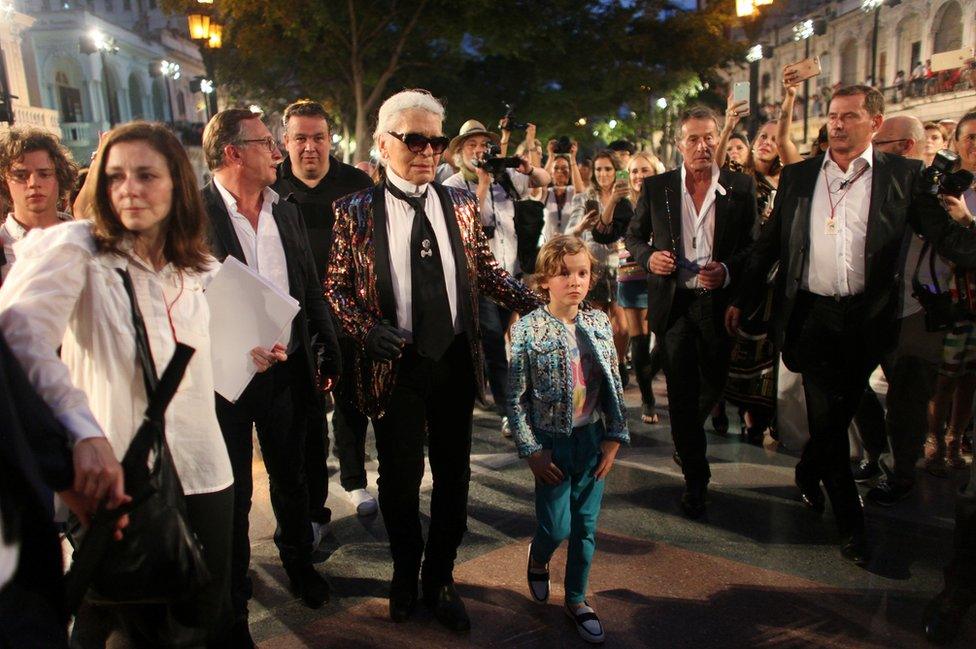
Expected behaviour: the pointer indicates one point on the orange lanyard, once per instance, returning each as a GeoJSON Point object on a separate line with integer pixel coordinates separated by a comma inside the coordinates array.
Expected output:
{"type": "Point", "coordinates": [848, 183]}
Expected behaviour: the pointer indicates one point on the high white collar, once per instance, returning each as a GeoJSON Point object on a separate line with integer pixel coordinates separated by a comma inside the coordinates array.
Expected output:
{"type": "Point", "coordinates": [404, 186]}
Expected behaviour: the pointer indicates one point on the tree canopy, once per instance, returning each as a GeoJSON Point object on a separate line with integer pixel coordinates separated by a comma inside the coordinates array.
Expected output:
{"type": "Point", "coordinates": [568, 65]}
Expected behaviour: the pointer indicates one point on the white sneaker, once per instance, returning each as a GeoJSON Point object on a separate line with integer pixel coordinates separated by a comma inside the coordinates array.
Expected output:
{"type": "Point", "coordinates": [506, 429]}
{"type": "Point", "coordinates": [364, 502]}
{"type": "Point", "coordinates": [319, 530]}
{"type": "Point", "coordinates": [587, 623]}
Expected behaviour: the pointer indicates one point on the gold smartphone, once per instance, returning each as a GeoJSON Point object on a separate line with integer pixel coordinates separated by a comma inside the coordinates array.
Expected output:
{"type": "Point", "coordinates": [803, 70]}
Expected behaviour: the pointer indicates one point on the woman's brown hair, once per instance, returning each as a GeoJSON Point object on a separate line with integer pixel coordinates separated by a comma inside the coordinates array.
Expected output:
{"type": "Point", "coordinates": [606, 153]}
{"type": "Point", "coordinates": [185, 246]}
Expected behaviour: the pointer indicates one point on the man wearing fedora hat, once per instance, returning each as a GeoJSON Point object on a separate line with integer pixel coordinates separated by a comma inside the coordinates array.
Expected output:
{"type": "Point", "coordinates": [496, 195]}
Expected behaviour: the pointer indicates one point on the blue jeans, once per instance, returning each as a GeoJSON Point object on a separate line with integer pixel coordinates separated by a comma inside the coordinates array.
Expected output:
{"type": "Point", "coordinates": [570, 509]}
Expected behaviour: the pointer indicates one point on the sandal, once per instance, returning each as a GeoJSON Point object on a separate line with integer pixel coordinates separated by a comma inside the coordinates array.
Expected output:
{"type": "Point", "coordinates": [650, 419]}
{"type": "Point", "coordinates": [587, 623]}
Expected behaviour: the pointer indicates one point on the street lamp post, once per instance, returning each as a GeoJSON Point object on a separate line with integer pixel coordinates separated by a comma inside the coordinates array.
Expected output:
{"type": "Point", "coordinates": [95, 41]}
{"type": "Point", "coordinates": [875, 6]}
{"type": "Point", "coordinates": [751, 14]}
{"type": "Point", "coordinates": [207, 33]}
{"type": "Point", "coordinates": [168, 70]}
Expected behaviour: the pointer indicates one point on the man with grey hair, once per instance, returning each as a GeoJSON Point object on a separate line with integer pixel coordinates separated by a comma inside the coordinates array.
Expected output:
{"type": "Point", "coordinates": [250, 223]}
{"type": "Point", "coordinates": [408, 263]}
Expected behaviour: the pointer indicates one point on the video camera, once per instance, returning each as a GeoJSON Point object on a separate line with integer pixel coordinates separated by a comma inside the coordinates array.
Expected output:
{"type": "Point", "coordinates": [563, 145]}
{"type": "Point", "coordinates": [945, 177]}
{"type": "Point", "coordinates": [512, 125]}
{"type": "Point", "coordinates": [494, 163]}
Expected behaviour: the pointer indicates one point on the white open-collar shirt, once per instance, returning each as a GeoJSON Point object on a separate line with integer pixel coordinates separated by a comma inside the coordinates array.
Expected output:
{"type": "Point", "coordinates": [835, 264]}
{"type": "Point", "coordinates": [698, 228]}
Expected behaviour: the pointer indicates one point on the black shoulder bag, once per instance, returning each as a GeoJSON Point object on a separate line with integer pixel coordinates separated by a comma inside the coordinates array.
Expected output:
{"type": "Point", "coordinates": [529, 221]}
{"type": "Point", "coordinates": [940, 311]}
{"type": "Point", "coordinates": [159, 559]}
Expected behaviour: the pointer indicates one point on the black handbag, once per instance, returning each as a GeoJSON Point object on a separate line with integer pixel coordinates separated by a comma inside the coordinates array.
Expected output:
{"type": "Point", "coordinates": [941, 312]}
{"type": "Point", "coordinates": [529, 220]}
{"type": "Point", "coordinates": [159, 559]}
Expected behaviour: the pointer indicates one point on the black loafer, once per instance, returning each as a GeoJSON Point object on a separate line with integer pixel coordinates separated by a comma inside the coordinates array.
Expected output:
{"type": "Point", "coordinates": [448, 608]}
{"type": "Point", "coordinates": [889, 492]}
{"type": "Point", "coordinates": [810, 494]}
{"type": "Point", "coordinates": [403, 603]}
{"type": "Point", "coordinates": [310, 586]}
{"type": "Point", "coordinates": [866, 471]}
{"type": "Point", "coordinates": [538, 580]}
{"type": "Point", "coordinates": [693, 500]}
{"type": "Point", "coordinates": [855, 550]}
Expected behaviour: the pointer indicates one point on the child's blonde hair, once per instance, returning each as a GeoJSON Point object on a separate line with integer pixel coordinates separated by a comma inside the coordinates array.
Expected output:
{"type": "Point", "coordinates": [549, 262]}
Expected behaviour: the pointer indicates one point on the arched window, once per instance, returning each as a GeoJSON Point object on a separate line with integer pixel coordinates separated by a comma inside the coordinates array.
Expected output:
{"type": "Point", "coordinates": [948, 28]}
{"type": "Point", "coordinates": [848, 63]}
{"type": "Point", "coordinates": [69, 98]}
{"type": "Point", "coordinates": [180, 104]}
{"type": "Point", "coordinates": [909, 52]}
{"type": "Point", "coordinates": [135, 97]}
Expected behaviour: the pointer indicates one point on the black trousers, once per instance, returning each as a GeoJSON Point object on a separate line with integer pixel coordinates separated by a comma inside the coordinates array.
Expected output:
{"type": "Point", "coordinates": [694, 352]}
{"type": "Point", "coordinates": [276, 403]}
{"type": "Point", "coordinates": [493, 320]}
{"type": "Point", "coordinates": [832, 353]}
{"type": "Point", "coordinates": [349, 424]}
{"type": "Point", "coordinates": [432, 402]}
{"type": "Point", "coordinates": [316, 460]}
{"type": "Point", "coordinates": [202, 621]}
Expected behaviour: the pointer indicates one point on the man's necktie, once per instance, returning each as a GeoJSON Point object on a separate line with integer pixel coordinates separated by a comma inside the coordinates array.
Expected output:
{"type": "Point", "coordinates": [433, 327]}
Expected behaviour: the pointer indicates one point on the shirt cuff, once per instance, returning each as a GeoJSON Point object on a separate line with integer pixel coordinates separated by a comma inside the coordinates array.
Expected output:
{"type": "Point", "coordinates": [728, 277]}
{"type": "Point", "coordinates": [81, 425]}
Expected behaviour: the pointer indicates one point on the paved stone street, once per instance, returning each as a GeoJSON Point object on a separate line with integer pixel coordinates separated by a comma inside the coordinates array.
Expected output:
{"type": "Point", "coordinates": [758, 570]}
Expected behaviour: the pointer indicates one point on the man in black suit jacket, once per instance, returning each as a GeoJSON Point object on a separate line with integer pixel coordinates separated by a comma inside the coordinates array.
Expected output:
{"type": "Point", "coordinates": [838, 231]}
{"type": "Point", "coordinates": [249, 222]}
{"type": "Point", "coordinates": [692, 231]}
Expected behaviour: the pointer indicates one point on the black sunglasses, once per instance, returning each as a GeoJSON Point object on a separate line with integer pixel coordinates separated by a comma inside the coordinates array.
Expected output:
{"type": "Point", "coordinates": [417, 142]}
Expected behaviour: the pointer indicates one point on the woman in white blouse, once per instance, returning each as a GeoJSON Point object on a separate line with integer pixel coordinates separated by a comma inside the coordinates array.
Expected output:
{"type": "Point", "coordinates": [558, 199]}
{"type": "Point", "coordinates": [64, 290]}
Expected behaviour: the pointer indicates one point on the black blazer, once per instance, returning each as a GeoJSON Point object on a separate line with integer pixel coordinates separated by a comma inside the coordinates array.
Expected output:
{"type": "Point", "coordinates": [898, 202]}
{"type": "Point", "coordinates": [313, 318]}
{"type": "Point", "coordinates": [656, 226]}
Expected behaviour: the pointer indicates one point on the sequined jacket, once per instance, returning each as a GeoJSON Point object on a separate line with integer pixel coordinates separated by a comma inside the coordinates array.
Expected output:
{"type": "Point", "coordinates": [540, 380]}
{"type": "Point", "coordinates": [359, 286]}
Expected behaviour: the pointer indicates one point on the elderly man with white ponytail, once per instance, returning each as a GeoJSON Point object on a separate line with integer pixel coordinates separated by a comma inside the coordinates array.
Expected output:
{"type": "Point", "coordinates": [408, 263]}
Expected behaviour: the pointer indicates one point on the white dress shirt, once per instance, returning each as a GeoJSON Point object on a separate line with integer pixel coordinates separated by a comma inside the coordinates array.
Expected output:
{"type": "Point", "coordinates": [63, 292]}
{"type": "Point", "coordinates": [698, 229]}
{"type": "Point", "coordinates": [11, 231]}
{"type": "Point", "coordinates": [263, 249]}
{"type": "Point", "coordinates": [399, 222]}
{"type": "Point", "coordinates": [835, 264]}
{"type": "Point", "coordinates": [498, 209]}
{"type": "Point", "coordinates": [557, 221]}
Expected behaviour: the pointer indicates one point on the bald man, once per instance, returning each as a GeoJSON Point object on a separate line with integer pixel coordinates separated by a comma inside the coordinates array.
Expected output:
{"type": "Point", "coordinates": [911, 367]}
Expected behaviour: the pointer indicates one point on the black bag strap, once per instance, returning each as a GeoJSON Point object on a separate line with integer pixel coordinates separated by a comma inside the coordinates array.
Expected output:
{"type": "Point", "coordinates": [917, 286]}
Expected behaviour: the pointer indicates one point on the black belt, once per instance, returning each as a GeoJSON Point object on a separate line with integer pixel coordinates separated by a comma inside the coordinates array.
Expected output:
{"type": "Point", "coordinates": [838, 299]}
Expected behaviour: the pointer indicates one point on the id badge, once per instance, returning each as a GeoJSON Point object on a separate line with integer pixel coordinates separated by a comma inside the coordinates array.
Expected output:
{"type": "Point", "coordinates": [830, 227]}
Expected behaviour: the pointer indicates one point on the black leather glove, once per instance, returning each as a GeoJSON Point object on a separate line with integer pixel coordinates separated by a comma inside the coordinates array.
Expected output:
{"type": "Point", "coordinates": [384, 342]}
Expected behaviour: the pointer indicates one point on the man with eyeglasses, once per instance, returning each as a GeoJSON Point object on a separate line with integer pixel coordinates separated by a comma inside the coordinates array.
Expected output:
{"type": "Point", "coordinates": [409, 262]}
{"type": "Point", "coordinates": [497, 195]}
{"type": "Point", "coordinates": [36, 174]}
{"type": "Point", "coordinates": [250, 223]}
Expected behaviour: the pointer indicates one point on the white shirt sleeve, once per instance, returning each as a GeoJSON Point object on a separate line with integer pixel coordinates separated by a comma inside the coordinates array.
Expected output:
{"type": "Point", "coordinates": [36, 302]}
{"type": "Point", "coordinates": [520, 181]}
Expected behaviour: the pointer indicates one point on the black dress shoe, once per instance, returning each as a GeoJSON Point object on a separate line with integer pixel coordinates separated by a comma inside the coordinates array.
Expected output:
{"type": "Point", "coordinates": [693, 500]}
{"type": "Point", "coordinates": [855, 550]}
{"type": "Point", "coordinates": [943, 616]}
{"type": "Point", "coordinates": [810, 493]}
{"type": "Point", "coordinates": [866, 471]}
{"type": "Point", "coordinates": [889, 492]}
{"type": "Point", "coordinates": [448, 608]}
{"type": "Point", "coordinates": [403, 603]}
{"type": "Point", "coordinates": [721, 423]}
{"type": "Point", "coordinates": [309, 585]}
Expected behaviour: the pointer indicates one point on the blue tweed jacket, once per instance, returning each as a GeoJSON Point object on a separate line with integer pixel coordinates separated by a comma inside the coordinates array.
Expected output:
{"type": "Point", "coordinates": [540, 381]}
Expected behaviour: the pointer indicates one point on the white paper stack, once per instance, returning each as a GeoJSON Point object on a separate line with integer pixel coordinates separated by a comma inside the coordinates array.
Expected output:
{"type": "Point", "coordinates": [246, 311]}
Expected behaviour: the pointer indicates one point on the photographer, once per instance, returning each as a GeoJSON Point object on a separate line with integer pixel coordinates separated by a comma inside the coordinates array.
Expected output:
{"type": "Point", "coordinates": [566, 183]}
{"type": "Point", "coordinates": [497, 188]}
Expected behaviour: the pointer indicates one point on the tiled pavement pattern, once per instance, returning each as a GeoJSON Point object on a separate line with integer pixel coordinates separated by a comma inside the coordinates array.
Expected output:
{"type": "Point", "coordinates": [757, 571]}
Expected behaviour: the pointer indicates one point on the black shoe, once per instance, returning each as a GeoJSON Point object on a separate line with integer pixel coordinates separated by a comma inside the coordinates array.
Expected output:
{"type": "Point", "coordinates": [889, 492]}
{"type": "Point", "coordinates": [309, 585]}
{"type": "Point", "coordinates": [855, 550]}
{"type": "Point", "coordinates": [676, 458]}
{"type": "Point", "coordinates": [403, 602]}
{"type": "Point", "coordinates": [866, 470]}
{"type": "Point", "coordinates": [448, 608]}
{"type": "Point", "coordinates": [810, 493]}
{"type": "Point", "coordinates": [693, 500]}
{"type": "Point", "coordinates": [721, 423]}
{"type": "Point", "coordinates": [755, 436]}
{"type": "Point", "coordinates": [942, 617]}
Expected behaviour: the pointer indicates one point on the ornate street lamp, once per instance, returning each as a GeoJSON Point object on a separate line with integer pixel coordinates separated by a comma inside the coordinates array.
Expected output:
{"type": "Point", "coordinates": [804, 31]}
{"type": "Point", "coordinates": [751, 14]}
{"type": "Point", "coordinates": [207, 33]}
{"type": "Point", "coordinates": [868, 6]}
{"type": "Point", "coordinates": [96, 42]}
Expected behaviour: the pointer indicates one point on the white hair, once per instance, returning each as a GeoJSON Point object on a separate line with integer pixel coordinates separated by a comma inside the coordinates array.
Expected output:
{"type": "Point", "coordinates": [395, 106]}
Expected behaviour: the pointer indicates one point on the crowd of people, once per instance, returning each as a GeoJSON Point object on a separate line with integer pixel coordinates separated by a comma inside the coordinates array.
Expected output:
{"type": "Point", "coordinates": [550, 279]}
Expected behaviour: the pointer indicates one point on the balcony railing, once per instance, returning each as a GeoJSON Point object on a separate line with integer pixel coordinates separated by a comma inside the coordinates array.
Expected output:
{"type": "Point", "coordinates": [45, 118]}
{"type": "Point", "coordinates": [79, 134]}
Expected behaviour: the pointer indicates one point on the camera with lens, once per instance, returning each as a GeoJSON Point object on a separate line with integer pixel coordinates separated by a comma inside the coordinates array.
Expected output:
{"type": "Point", "coordinates": [945, 177]}
{"type": "Point", "coordinates": [493, 162]}
{"type": "Point", "coordinates": [512, 125]}
{"type": "Point", "coordinates": [563, 145]}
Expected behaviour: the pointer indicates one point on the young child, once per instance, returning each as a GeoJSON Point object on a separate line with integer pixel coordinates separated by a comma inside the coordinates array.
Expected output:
{"type": "Point", "coordinates": [566, 410]}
